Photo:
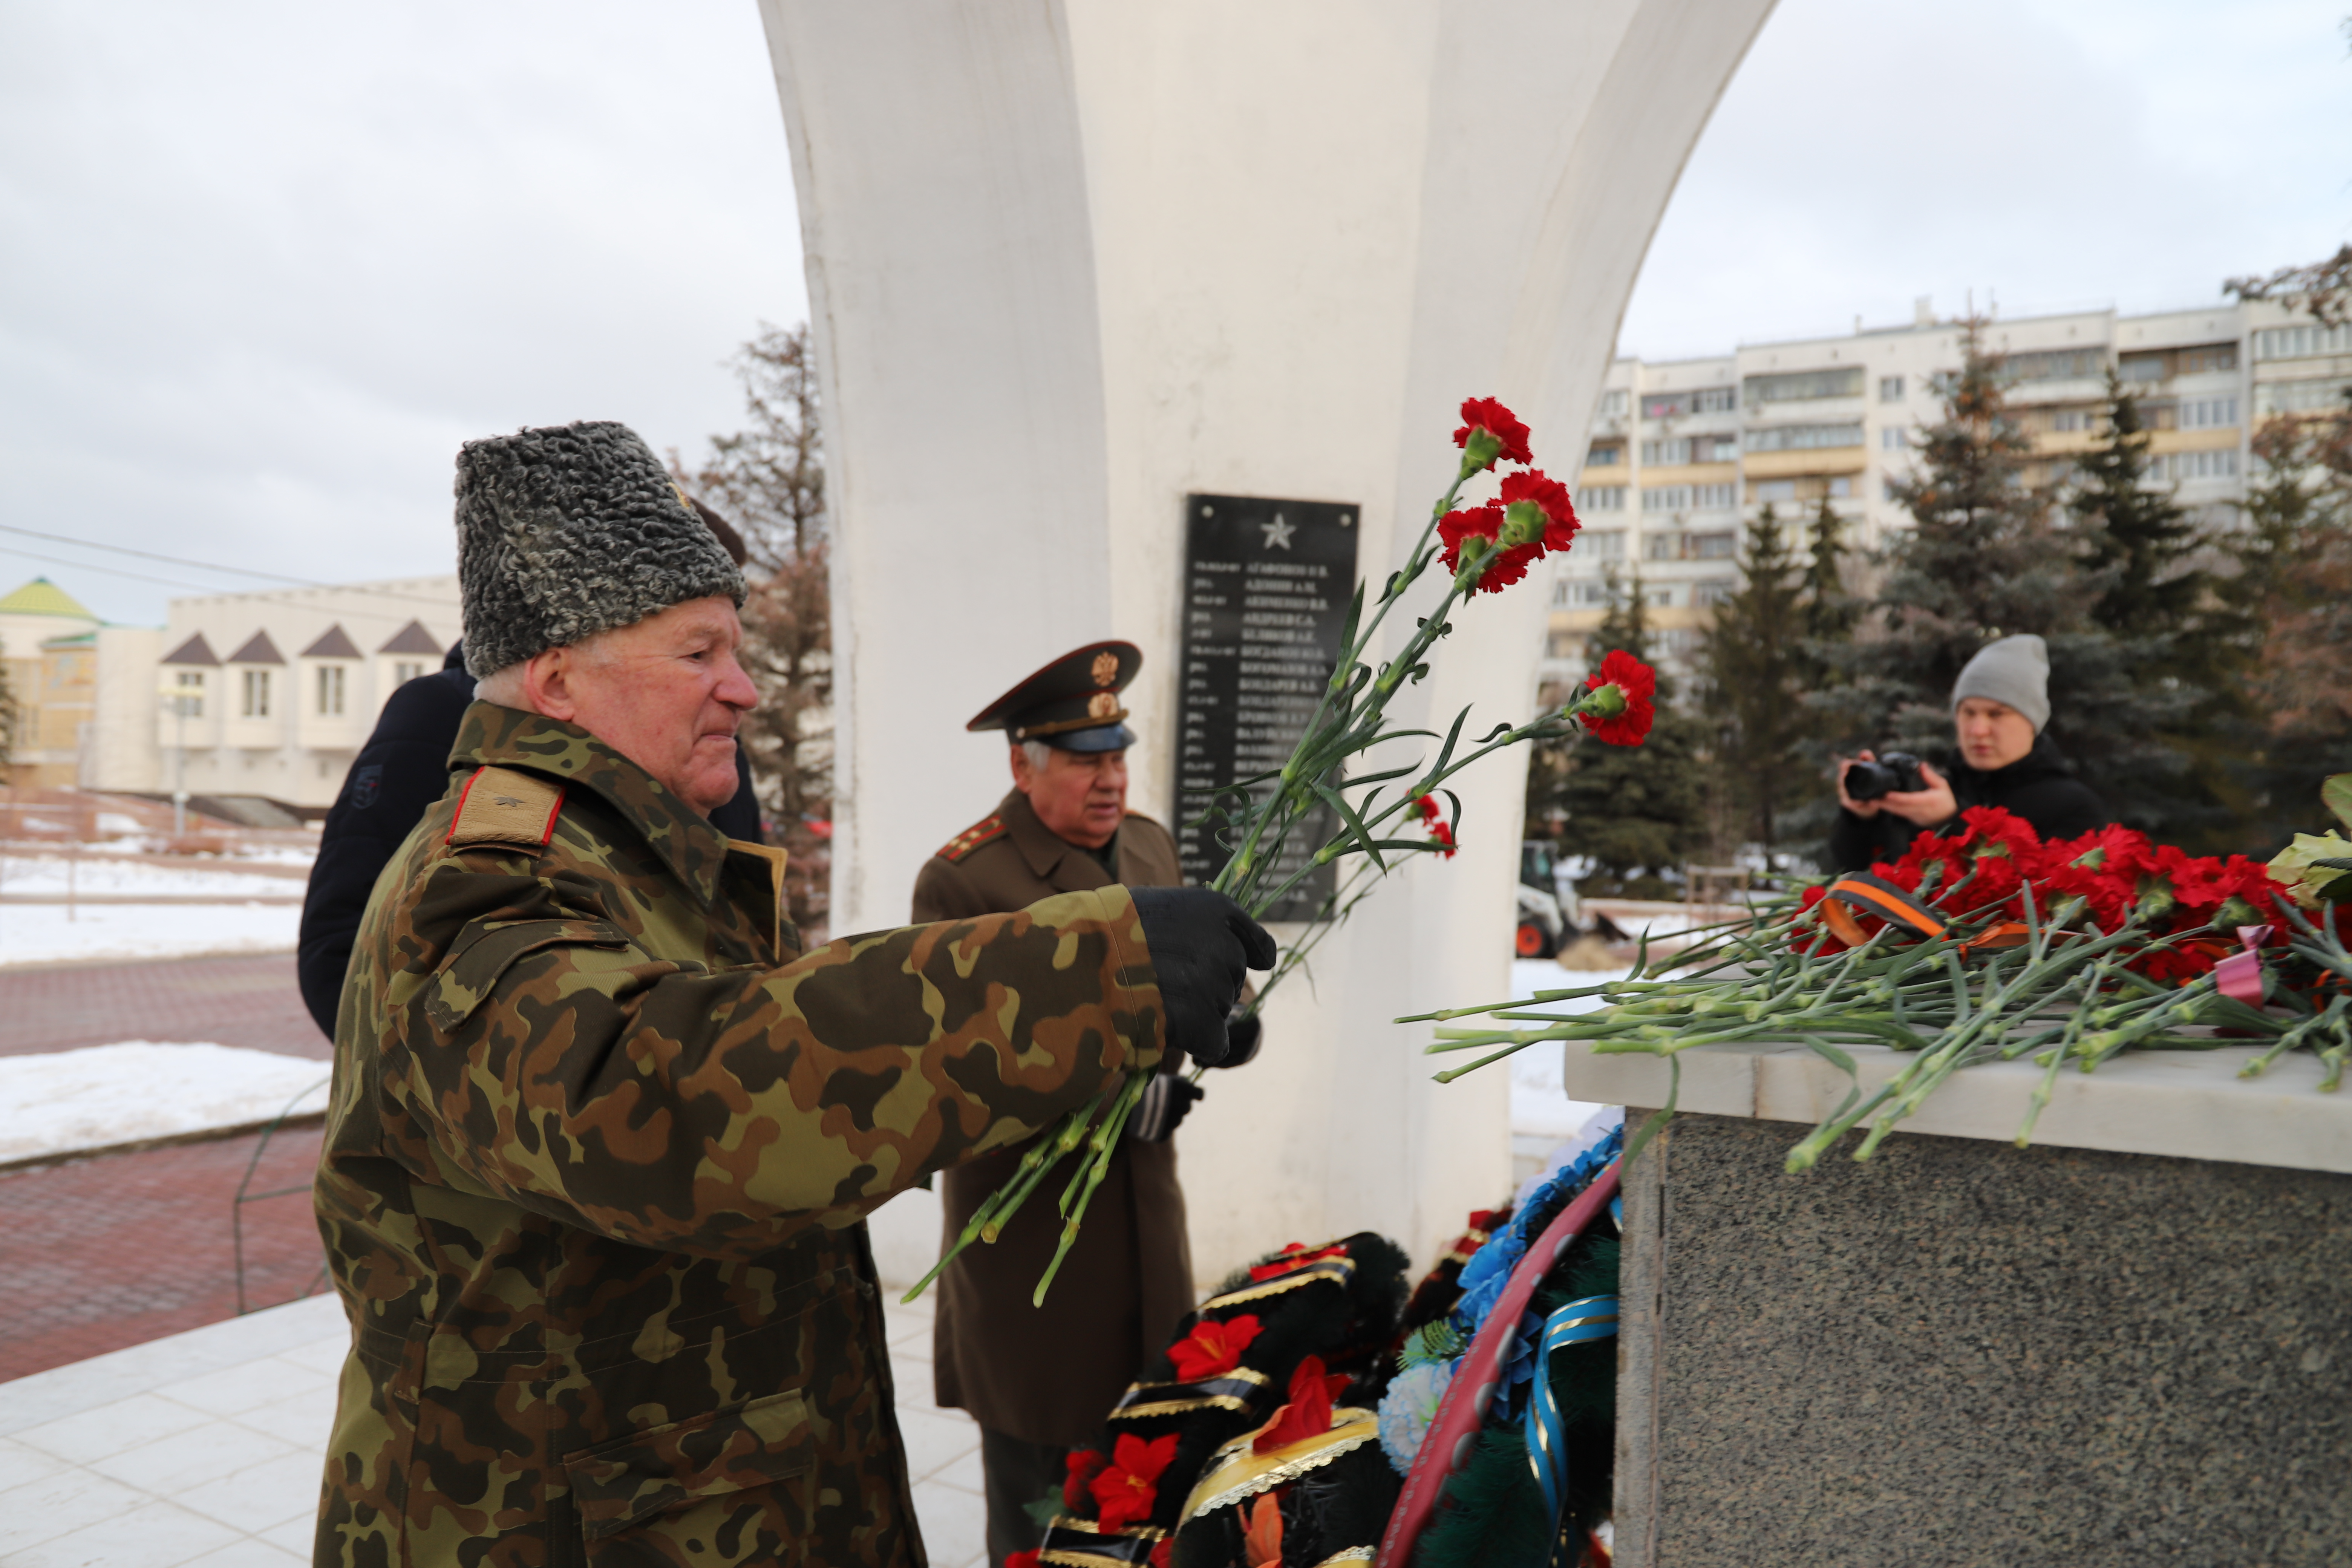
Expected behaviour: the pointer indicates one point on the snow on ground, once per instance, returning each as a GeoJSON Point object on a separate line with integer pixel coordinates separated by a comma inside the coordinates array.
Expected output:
{"type": "Point", "coordinates": [1540, 1104]}
{"type": "Point", "coordinates": [46, 875]}
{"type": "Point", "coordinates": [40, 934]}
{"type": "Point", "coordinates": [60, 1101]}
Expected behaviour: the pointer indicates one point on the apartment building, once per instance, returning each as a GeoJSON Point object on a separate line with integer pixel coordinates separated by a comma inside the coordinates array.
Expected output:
{"type": "Point", "coordinates": [1684, 455]}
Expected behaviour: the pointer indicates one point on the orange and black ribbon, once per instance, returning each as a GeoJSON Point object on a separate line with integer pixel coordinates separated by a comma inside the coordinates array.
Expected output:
{"type": "Point", "coordinates": [1877, 896]}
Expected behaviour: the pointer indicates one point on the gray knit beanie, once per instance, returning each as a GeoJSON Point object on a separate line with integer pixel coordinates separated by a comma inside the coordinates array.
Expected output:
{"type": "Point", "coordinates": [2015, 671]}
{"type": "Point", "coordinates": [570, 531]}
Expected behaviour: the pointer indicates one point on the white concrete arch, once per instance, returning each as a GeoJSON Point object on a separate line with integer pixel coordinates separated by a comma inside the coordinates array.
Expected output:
{"type": "Point", "coordinates": [1071, 259]}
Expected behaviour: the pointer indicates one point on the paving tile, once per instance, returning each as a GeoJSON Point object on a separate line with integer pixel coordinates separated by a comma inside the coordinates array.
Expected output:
{"type": "Point", "coordinates": [250, 1386]}
{"type": "Point", "coordinates": [59, 1505]}
{"type": "Point", "coordinates": [251, 1552]}
{"type": "Point", "coordinates": [911, 1375]}
{"type": "Point", "coordinates": [933, 1441]}
{"type": "Point", "coordinates": [296, 1535]}
{"type": "Point", "coordinates": [20, 1464]}
{"type": "Point", "coordinates": [177, 1464]}
{"type": "Point", "coordinates": [242, 1001]}
{"type": "Point", "coordinates": [260, 1496]}
{"type": "Point", "coordinates": [88, 1274]}
{"type": "Point", "coordinates": [954, 1523]}
{"type": "Point", "coordinates": [963, 1472]}
{"type": "Point", "coordinates": [158, 1535]}
{"type": "Point", "coordinates": [304, 1420]}
{"type": "Point", "coordinates": [111, 1430]}
{"type": "Point", "coordinates": [326, 1355]}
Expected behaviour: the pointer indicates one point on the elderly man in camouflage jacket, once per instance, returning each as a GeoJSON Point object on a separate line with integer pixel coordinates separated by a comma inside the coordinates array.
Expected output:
{"type": "Point", "coordinates": [602, 1136]}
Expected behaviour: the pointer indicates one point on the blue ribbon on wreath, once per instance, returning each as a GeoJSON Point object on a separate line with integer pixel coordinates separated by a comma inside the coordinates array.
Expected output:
{"type": "Point", "coordinates": [1588, 1318]}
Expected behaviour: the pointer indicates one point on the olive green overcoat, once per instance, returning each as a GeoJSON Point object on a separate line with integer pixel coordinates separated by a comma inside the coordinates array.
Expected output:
{"type": "Point", "coordinates": [600, 1143]}
{"type": "Point", "coordinates": [1050, 1375]}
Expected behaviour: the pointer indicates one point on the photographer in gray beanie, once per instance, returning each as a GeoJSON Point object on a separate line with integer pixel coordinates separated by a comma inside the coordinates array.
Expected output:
{"type": "Point", "coordinates": [2000, 704]}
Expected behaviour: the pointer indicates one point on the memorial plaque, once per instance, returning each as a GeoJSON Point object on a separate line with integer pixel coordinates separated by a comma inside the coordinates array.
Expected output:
{"type": "Point", "coordinates": [1266, 585]}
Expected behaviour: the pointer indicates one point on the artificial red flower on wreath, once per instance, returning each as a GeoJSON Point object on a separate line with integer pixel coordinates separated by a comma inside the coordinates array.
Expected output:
{"type": "Point", "coordinates": [1213, 1347]}
{"type": "Point", "coordinates": [1262, 1536]}
{"type": "Point", "coordinates": [1294, 1256]}
{"type": "Point", "coordinates": [1127, 1487]}
{"type": "Point", "coordinates": [1484, 413]}
{"type": "Point", "coordinates": [1432, 817]}
{"type": "Point", "coordinates": [1023, 1559]}
{"type": "Point", "coordinates": [1548, 496]}
{"type": "Point", "coordinates": [1082, 1465]}
{"type": "Point", "coordinates": [1308, 1412]}
{"type": "Point", "coordinates": [1161, 1552]}
{"type": "Point", "coordinates": [1638, 683]}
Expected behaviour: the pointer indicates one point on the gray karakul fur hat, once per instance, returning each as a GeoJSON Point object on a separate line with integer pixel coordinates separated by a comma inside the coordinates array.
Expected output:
{"type": "Point", "coordinates": [569, 530]}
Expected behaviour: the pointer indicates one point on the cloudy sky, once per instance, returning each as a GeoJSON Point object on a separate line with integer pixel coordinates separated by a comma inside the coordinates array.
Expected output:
{"type": "Point", "coordinates": [266, 264]}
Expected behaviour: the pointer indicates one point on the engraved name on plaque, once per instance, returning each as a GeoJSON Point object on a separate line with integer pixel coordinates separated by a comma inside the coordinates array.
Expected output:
{"type": "Point", "coordinates": [1266, 584]}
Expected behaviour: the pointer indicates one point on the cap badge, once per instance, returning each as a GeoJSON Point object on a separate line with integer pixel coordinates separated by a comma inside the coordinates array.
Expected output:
{"type": "Point", "coordinates": [1106, 668]}
{"type": "Point", "coordinates": [1102, 705]}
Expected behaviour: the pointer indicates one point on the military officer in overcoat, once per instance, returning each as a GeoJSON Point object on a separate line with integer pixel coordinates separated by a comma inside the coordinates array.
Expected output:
{"type": "Point", "coordinates": [602, 1135]}
{"type": "Point", "coordinates": [1039, 1380]}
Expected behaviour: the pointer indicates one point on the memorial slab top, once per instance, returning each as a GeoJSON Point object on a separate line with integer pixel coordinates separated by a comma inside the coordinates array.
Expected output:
{"type": "Point", "coordinates": [2188, 1104]}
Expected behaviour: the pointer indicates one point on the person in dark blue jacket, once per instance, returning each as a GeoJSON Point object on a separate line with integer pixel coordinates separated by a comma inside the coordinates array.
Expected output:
{"type": "Point", "coordinates": [402, 770]}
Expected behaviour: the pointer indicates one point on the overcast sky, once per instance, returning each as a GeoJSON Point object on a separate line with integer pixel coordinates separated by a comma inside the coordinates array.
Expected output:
{"type": "Point", "coordinates": [265, 265]}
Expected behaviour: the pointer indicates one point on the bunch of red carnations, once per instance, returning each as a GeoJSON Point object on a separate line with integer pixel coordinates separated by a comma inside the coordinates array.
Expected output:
{"type": "Point", "coordinates": [1996, 872]}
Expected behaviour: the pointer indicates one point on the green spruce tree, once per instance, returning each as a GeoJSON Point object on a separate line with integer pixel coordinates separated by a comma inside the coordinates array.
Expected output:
{"type": "Point", "coordinates": [2177, 646]}
{"type": "Point", "coordinates": [1755, 672]}
{"type": "Point", "coordinates": [1638, 813]}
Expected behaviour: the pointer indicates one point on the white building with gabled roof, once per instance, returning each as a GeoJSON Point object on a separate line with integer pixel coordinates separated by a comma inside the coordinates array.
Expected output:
{"type": "Point", "coordinates": [175, 713]}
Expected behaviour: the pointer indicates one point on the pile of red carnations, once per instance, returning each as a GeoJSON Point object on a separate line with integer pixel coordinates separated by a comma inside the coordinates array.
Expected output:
{"type": "Point", "coordinates": [1990, 870]}
{"type": "Point", "coordinates": [1985, 945]}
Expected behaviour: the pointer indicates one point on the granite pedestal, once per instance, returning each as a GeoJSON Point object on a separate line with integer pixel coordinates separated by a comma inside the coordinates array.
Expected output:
{"type": "Point", "coordinates": [1964, 1353]}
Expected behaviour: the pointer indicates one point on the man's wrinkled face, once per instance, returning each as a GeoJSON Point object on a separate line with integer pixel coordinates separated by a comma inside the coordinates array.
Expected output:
{"type": "Point", "coordinates": [1080, 797]}
{"type": "Point", "coordinates": [1993, 734]}
{"type": "Point", "coordinates": [667, 693]}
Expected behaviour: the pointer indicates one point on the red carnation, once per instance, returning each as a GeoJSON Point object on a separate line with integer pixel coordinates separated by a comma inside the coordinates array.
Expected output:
{"type": "Point", "coordinates": [1083, 1465]}
{"type": "Point", "coordinates": [1213, 1348]}
{"type": "Point", "coordinates": [1484, 521]}
{"type": "Point", "coordinates": [1127, 1490]}
{"type": "Point", "coordinates": [1486, 413]}
{"type": "Point", "coordinates": [1308, 1412]}
{"type": "Point", "coordinates": [1636, 683]}
{"type": "Point", "coordinates": [1433, 818]}
{"type": "Point", "coordinates": [1548, 496]}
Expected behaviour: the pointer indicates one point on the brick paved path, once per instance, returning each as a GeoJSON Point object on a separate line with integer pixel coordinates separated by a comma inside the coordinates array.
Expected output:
{"type": "Point", "coordinates": [231, 1001]}
{"type": "Point", "coordinates": [105, 1253]}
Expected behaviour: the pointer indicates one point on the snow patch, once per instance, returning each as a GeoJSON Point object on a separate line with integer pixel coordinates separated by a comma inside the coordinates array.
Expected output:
{"type": "Point", "coordinates": [40, 934]}
{"type": "Point", "coordinates": [49, 875]}
{"type": "Point", "coordinates": [61, 1101]}
{"type": "Point", "coordinates": [1540, 1104]}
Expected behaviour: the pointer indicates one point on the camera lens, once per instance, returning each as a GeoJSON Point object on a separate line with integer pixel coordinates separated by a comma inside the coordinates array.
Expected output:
{"type": "Point", "coordinates": [1868, 781]}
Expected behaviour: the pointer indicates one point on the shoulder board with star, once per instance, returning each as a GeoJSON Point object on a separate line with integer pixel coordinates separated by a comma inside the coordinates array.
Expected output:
{"type": "Point", "coordinates": [500, 805]}
{"type": "Point", "coordinates": [991, 827]}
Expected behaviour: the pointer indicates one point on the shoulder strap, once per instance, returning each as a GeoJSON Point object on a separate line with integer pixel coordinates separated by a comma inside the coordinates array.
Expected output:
{"type": "Point", "coordinates": [501, 806]}
{"type": "Point", "coordinates": [988, 827]}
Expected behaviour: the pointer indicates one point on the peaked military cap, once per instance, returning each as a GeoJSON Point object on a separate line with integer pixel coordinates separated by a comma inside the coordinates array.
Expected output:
{"type": "Point", "coordinates": [1073, 703]}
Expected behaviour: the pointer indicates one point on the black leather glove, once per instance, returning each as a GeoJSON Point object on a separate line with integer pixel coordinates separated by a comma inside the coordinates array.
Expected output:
{"type": "Point", "coordinates": [1243, 1031]}
{"type": "Point", "coordinates": [1202, 947]}
{"type": "Point", "coordinates": [1165, 1100]}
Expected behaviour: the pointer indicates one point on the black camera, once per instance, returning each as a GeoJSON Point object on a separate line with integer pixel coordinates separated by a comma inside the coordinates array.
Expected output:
{"type": "Point", "coordinates": [1894, 770]}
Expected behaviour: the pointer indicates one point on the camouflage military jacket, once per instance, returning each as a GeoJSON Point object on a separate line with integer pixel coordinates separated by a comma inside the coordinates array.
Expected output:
{"type": "Point", "coordinates": [599, 1148]}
